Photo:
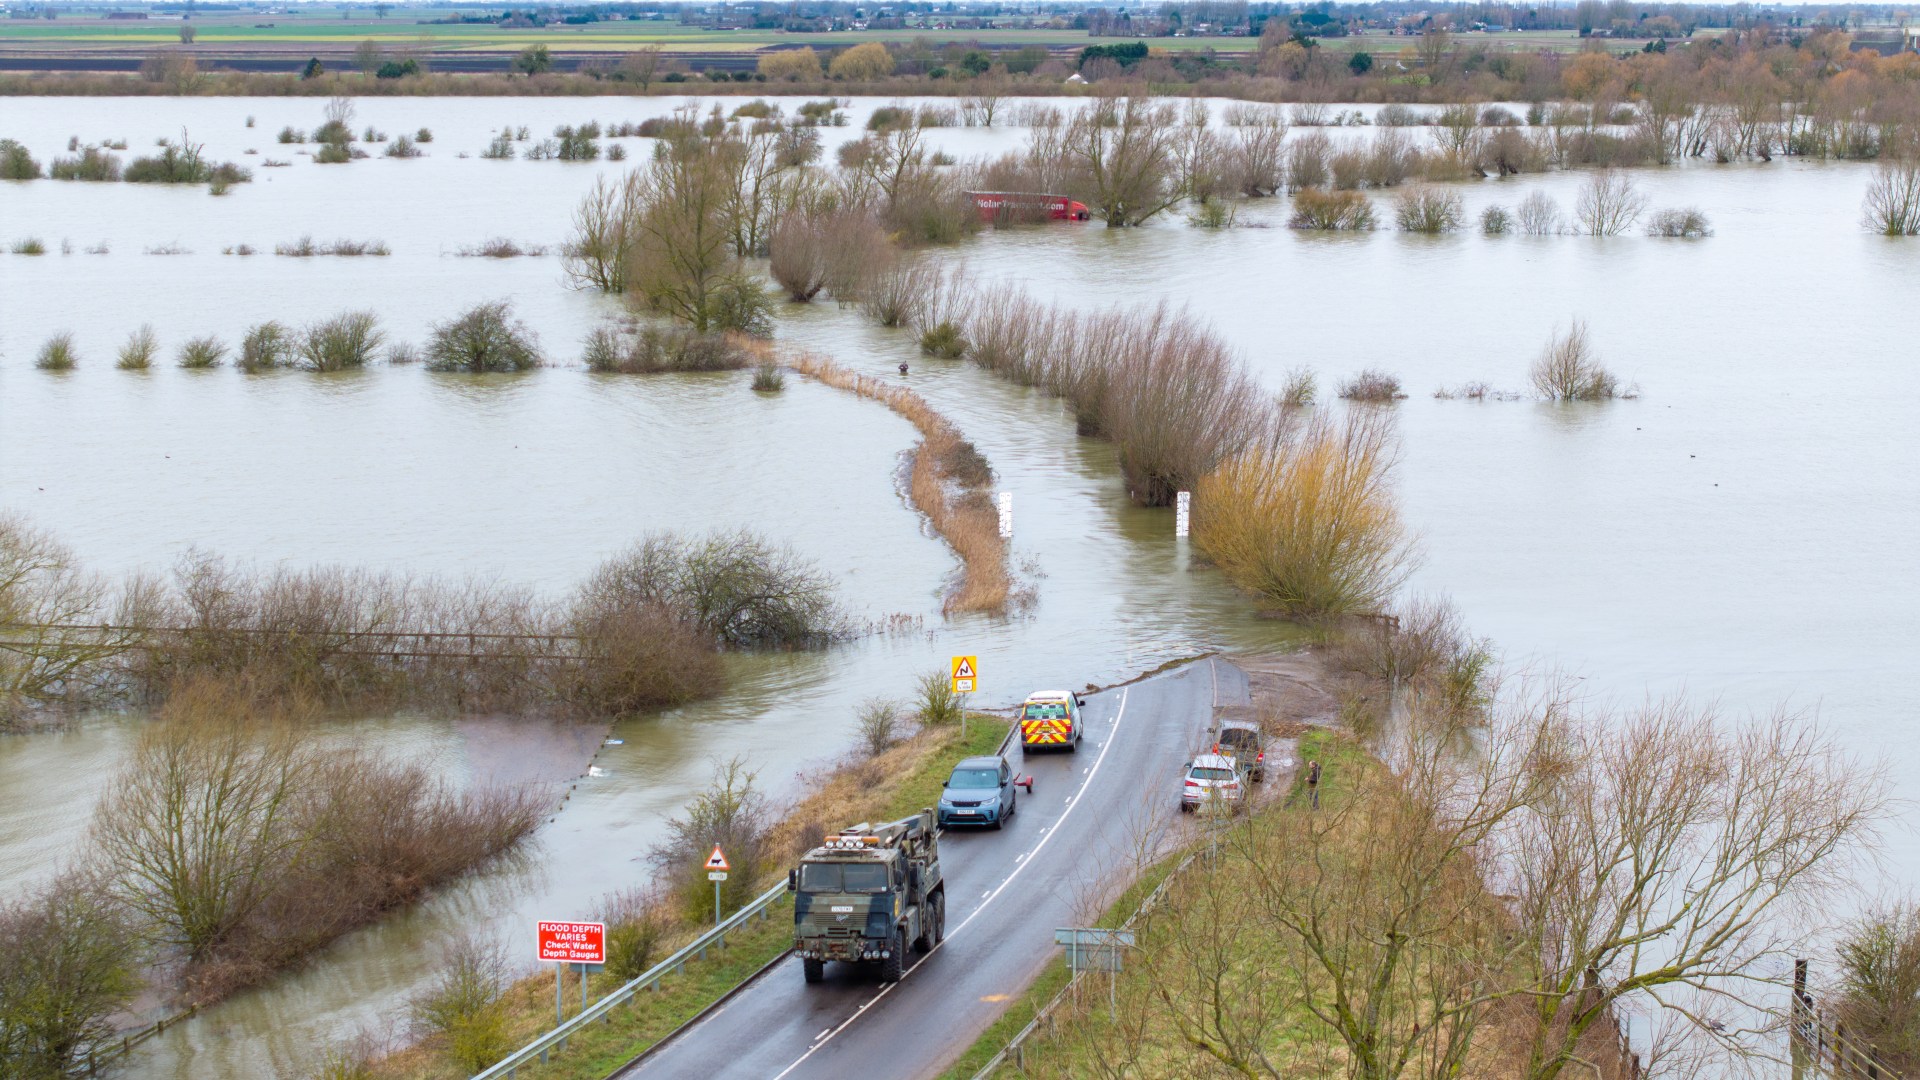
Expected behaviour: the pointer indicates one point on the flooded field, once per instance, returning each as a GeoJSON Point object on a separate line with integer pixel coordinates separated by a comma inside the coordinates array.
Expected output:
{"type": "Point", "coordinates": [1742, 530]}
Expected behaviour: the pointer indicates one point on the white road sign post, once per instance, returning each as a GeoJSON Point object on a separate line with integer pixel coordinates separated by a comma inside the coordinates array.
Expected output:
{"type": "Point", "coordinates": [716, 873]}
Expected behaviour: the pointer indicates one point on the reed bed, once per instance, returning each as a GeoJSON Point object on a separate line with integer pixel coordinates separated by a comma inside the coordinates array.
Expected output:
{"type": "Point", "coordinates": [950, 482]}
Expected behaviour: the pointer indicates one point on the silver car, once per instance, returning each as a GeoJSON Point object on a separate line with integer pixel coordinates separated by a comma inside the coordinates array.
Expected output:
{"type": "Point", "coordinates": [1210, 779]}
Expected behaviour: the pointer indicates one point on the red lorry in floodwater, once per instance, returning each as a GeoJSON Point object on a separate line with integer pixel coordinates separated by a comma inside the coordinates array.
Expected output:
{"type": "Point", "coordinates": [1027, 206]}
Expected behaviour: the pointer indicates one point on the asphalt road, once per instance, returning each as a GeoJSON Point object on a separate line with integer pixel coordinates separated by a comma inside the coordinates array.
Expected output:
{"type": "Point", "coordinates": [1070, 847]}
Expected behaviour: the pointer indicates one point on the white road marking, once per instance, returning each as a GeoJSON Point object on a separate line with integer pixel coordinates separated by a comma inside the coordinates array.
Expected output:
{"type": "Point", "coordinates": [951, 934]}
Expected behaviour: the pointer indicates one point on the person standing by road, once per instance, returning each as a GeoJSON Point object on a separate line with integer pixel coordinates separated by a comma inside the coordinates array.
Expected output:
{"type": "Point", "coordinates": [1313, 784]}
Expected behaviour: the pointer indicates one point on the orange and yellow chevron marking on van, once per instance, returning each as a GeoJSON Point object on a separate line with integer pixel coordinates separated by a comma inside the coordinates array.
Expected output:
{"type": "Point", "coordinates": [1050, 718]}
{"type": "Point", "coordinates": [1046, 732]}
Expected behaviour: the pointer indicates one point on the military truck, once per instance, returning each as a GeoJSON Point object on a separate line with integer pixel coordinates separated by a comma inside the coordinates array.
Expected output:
{"type": "Point", "coordinates": [867, 893]}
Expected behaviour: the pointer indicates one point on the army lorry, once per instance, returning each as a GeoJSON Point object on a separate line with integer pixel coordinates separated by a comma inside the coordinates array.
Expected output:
{"type": "Point", "coordinates": [868, 893]}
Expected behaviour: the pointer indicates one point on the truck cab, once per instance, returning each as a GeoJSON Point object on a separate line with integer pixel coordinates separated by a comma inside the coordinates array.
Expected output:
{"type": "Point", "coordinates": [866, 894]}
{"type": "Point", "coordinates": [1051, 719]}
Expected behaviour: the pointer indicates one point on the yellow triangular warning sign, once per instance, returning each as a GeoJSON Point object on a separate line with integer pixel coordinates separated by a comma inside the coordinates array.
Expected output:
{"type": "Point", "coordinates": [716, 861]}
{"type": "Point", "coordinates": [963, 667]}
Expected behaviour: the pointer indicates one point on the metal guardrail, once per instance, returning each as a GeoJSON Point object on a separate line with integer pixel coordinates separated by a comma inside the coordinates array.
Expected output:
{"type": "Point", "coordinates": [1016, 1046]}
{"type": "Point", "coordinates": [556, 1039]}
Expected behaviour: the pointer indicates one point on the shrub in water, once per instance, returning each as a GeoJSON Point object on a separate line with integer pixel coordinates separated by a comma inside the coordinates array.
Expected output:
{"type": "Point", "coordinates": [1687, 224]}
{"type": "Point", "coordinates": [342, 342]}
{"type": "Point", "coordinates": [1305, 518]}
{"type": "Point", "coordinates": [424, 135]}
{"type": "Point", "coordinates": [1568, 371]}
{"type": "Point", "coordinates": [1495, 221]}
{"type": "Point", "coordinates": [57, 354]}
{"type": "Point", "coordinates": [138, 353]}
{"type": "Point", "coordinates": [266, 346]}
{"type": "Point", "coordinates": [16, 163]}
{"type": "Point", "coordinates": [656, 349]}
{"type": "Point", "coordinates": [402, 147]}
{"type": "Point", "coordinates": [333, 154]}
{"type": "Point", "coordinates": [485, 338]}
{"type": "Point", "coordinates": [943, 340]}
{"type": "Point", "coordinates": [1372, 385]}
{"type": "Point", "coordinates": [202, 353]}
{"type": "Point", "coordinates": [1315, 208]}
{"type": "Point", "coordinates": [768, 378]}
{"type": "Point", "coordinates": [291, 135]}
{"type": "Point", "coordinates": [29, 246]}
{"type": "Point", "coordinates": [93, 164]}
{"type": "Point", "coordinates": [1428, 210]}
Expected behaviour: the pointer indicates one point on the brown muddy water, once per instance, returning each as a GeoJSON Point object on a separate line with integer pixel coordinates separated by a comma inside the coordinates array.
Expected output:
{"type": "Point", "coordinates": [1742, 531]}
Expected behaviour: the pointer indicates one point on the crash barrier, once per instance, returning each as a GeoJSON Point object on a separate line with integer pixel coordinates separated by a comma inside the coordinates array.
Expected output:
{"type": "Point", "coordinates": [1015, 1050]}
{"type": "Point", "coordinates": [602, 1010]}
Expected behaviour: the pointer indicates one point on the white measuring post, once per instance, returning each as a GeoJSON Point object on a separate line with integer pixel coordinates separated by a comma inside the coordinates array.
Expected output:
{"type": "Point", "coordinates": [1006, 515]}
{"type": "Point", "coordinates": [1182, 513]}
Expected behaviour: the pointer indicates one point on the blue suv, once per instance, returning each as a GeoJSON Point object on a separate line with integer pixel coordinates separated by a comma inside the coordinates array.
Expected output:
{"type": "Point", "coordinates": [981, 792]}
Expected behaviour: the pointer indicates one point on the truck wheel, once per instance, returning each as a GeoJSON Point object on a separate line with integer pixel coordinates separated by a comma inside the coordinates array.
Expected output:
{"type": "Point", "coordinates": [814, 970]}
{"type": "Point", "coordinates": [940, 916]}
{"type": "Point", "coordinates": [895, 965]}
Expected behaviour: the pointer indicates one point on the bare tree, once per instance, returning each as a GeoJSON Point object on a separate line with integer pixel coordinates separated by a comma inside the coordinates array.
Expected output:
{"type": "Point", "coordinates": [1125, 150]}
{"type": "Point", "coordinates": [202, 823]}
{"type": "Point", "coordinates": [1893, 198]}
{"type": "Point", "coordinates": [1567, 369]}
{"type": "Point", "coordinates": [1609, 204]}
{"type": "Point", "coordinates": [1669, 864]}
{"type": "Point", "coordinates": [51, 613]}
{"type": "Point", "coordinates": [596, 254]}
{"type": "Point", "coordinates": [68, 962]}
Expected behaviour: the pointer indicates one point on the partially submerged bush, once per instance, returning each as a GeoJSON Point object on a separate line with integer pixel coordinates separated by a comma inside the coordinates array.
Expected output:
{"type": "Point", "coordinates": [202, 353]}
{"type": "Point", "coordinates": [485, 338]}
{"type": "Point", "coordinates": [943, 340]}
{"type": "Point", "coordinates": [768, 379]}
{"type": "Point", "coordinates": [737, 587]}
{"type": "Point", "coordinates": [16, 163]}
{"type": "Point", "coordinates": [1609, 204]}
{"type": "Point", "coordinates": [1299, 389]}
{"type": "Point", "coordinates": [268, 345]}
{"type": "Point", "coordinates": [1305, 519]}
{"type": "Point", "coordinates": [1539, 215]}
{"type": "Point", "coordinates": [1314, 208]}
{"type": "Point", "coordinates": [138, 353]}
{"type": "Point", "coordinates": [346, 341]}
{"type": "Point", "coordinates": [1567, 370]}
{"type": "Point", "coordinates": [93, 164]}
{"type": "Point", "coordinates": [1893, 198]}
{"type": "Point", "coordinates": [1373, 386]}
{"type": "Point", "coordinates": [651, 349]}
{"type": "Point", "coordinates": [290, 844]}
{"type": "Point", "coordinates": [1424, 209]}
{"type": "Point", "coordinates": [29, 246]}
{"type": "Point", "coordinates": [1688, 223]}
{"type": "Point", "coordinates": [1496, 221]}
{"type": "Point", "coordinates": [57, 354]}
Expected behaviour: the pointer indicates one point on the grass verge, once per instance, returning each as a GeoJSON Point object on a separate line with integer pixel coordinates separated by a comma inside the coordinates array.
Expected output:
{"type": "Point", "coordinates": [913, 773]}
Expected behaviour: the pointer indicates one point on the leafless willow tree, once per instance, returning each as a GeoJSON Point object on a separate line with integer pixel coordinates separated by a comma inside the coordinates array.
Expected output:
{"type": "Point", "coordinates": [1676, 862]}
{"type": "Point", "coordinates": [57, 624]}
{"type": "Point", "coordinates": [1609, 204]}
{"type": "Point", "coordinates": [1126, 150]}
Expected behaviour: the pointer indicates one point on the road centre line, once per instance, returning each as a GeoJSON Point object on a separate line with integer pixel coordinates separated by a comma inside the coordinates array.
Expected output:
{"type": "Point", "coordinates": [870, 1002]}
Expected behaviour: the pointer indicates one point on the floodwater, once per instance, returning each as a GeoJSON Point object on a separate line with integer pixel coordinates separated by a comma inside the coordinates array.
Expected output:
{"type": "Point", "coordinates": [1742, 530]}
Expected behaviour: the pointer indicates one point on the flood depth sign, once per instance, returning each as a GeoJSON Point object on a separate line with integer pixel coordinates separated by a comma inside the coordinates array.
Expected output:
{"type": "Point", "coordinates": [574, 942]}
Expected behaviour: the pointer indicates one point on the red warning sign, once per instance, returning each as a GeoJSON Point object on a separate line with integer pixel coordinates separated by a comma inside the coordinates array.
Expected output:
{"type": "Point", "coordinates": [574, 942]}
